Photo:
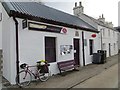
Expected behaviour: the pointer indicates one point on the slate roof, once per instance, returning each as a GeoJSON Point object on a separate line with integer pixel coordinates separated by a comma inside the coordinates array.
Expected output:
{"type": "Point", "coordinates": [39, 12]}
{"type": "Point", "coordinates": [98, 22]}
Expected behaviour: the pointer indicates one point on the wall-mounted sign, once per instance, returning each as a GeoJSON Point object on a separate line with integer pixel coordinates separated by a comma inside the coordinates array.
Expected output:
{"type": "Point", "coordinates": [65, 49]}
{"type": "Point", "coordinates": [93, 35]}
{"type": "Point", "coordinates": [76, 33]}
{"type": "Point", "coordinates": [64, 30]}
{"type": "Point", "coordinates": [37, 26]}
{"type": "Point", "coordinates": [46, 28]}
{"type": "Point", "coordinates": [24, 24]}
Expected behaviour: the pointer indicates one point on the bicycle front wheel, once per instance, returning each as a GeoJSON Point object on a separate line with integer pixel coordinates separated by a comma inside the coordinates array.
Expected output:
{"type": "Point", "coordinates": [23, 78]}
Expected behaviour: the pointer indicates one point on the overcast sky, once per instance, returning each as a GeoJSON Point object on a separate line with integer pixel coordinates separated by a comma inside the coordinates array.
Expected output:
{"type": "Point", "coordinates": [93, 8]}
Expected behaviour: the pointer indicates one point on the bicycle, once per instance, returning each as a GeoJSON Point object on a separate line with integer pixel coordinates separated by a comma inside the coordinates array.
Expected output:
{"type": "Point", "coordinates": [24, 77]}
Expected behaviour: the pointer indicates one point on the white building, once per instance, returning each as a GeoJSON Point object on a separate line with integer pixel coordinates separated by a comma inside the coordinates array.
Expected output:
{"type": "Point", "coordinates": [107, 36]}
{"type": "Point", "coordinates": [32, 32]}
{"type": "Point", "coordinates": [118, 29]}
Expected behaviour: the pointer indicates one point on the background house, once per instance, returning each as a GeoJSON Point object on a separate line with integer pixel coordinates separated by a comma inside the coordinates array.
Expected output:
{"type": "Point", "coordinates": [108, 35]}
{"type": "Point", "coordinates": [32, 31]}
{"type": "Point", "coordinates": [118, 29]}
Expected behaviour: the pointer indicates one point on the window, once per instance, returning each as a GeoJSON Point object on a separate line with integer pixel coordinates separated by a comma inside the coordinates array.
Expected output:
{"type": "Point", "coordinates": [50, 49]}
{"type": "Point", "coordinates": [91, 46]}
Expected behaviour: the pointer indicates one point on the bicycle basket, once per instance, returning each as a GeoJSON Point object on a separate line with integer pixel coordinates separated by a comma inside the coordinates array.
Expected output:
{"type": "Point", "coordinates": [23, 66]}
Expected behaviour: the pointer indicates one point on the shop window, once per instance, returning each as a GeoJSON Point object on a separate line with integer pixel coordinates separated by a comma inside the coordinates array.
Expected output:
{"type": "Point", "coordinates": [91, 46]}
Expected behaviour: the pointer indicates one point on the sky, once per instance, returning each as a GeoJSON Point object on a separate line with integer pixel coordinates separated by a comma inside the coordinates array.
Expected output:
{"type": "Point", "coordinates": [94, 8]}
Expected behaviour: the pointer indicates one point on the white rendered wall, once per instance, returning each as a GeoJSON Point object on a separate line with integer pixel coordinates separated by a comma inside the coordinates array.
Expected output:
{"type": "Point", "coordinates": [96, 46]}
{"type": "Point", "coordinates": [9, 50]}
{"type": "Point", "coordinates": [6, 45]}
{"type": "Point", "coordinates": [109, 39]}
{"type": "Point", "coordinates": [31, 47]}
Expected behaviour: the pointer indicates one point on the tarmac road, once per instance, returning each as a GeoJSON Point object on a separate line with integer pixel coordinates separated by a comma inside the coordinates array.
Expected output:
{"type": "Point", "coordinates": [106, 79]}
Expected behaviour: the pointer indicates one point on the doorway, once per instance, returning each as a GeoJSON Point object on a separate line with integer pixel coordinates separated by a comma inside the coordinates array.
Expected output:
{"type": "Point", "coordinates": [109, 49]}
{"type": "Point", "coordinates": [76, 51]}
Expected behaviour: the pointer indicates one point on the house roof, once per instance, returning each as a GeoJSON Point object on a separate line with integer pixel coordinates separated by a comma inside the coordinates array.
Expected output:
{"type": "Point", "coordinates": [97, 21]}
{"type": "Point", "coordinates": [39, 12]}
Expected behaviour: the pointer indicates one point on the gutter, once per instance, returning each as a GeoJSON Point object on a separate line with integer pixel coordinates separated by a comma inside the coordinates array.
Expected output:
{"type": "Point", "coordinates": [40, 19]}
{"type": "Point", "coordinates": [17, 46]}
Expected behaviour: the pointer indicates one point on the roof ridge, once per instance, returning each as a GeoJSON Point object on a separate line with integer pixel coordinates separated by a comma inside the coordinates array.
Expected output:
{"type": "Point", "coordinates": [98, 22]}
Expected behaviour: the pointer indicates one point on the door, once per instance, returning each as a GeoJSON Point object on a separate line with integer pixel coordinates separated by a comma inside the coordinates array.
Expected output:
{"type": "Point", "coordinates": [76, 51]}
{"type": "Point", "coordinates": [50, 49]}
{"type": "Point", "coordinates": [109, 50]}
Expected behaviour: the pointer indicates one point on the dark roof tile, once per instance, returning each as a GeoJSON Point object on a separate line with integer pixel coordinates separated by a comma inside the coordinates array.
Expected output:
{"type": "Point", "coordinates": [42, 11]}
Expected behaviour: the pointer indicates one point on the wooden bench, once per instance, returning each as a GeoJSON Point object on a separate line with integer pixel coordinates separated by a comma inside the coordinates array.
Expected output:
{"type": "Point", "coordinates": [67, 65]}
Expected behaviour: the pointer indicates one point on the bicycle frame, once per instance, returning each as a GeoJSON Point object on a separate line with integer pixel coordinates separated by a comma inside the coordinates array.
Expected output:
{"type": "Point", "coordinates": [36, 75]}
{"type": "Point", "coordinates": [27, 73]}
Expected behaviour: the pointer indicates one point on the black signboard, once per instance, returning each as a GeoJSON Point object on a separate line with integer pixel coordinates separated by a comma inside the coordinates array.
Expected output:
{"type": "Point", "coordinates": [24, 24]}
{"type": "Point", "coordinates": [43, 27]}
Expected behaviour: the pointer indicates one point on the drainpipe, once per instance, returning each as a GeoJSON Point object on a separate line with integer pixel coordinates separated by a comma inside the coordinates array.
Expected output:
{"type": "Point", "coordinates": [101, 39]}
{"type": "Point", "coordinates": [17, 46]}
{"type": "Point", "coordinates": [83, 48]}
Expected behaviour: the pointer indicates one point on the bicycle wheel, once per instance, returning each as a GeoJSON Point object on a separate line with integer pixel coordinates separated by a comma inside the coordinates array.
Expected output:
{"type": "Point", "coordinates": [25, 78]}
{"type": "Point", "coordinates": [44, 76]}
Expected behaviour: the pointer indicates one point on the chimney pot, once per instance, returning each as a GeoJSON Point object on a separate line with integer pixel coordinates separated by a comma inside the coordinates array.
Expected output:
{"type": "Point", "coordinates": [75, 4]}
{"type": "Point", "coordinates": [102, 16]}
{"type": "Point", "coordinates": [80, 3]}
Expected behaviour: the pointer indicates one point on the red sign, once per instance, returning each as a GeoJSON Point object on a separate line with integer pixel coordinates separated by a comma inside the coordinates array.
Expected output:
{"type": "Point", "coordinates": [63, 30]}
{"type": "Point", "coordinates": [93, 35]}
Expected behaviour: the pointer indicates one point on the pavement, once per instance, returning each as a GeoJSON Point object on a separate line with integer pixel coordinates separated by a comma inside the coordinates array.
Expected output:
{"type": "Point", "coordinates": [72, 78]}
{"type": "Point", "coordinates": [106, 79]}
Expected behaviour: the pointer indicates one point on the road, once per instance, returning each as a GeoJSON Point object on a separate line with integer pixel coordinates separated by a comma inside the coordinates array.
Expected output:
{"type": "Point", "coordinates": [106, 79]}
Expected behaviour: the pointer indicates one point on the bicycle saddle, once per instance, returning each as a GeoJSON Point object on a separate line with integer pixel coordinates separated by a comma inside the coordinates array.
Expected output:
{"type": "Point", "coordinates": [23, 65]}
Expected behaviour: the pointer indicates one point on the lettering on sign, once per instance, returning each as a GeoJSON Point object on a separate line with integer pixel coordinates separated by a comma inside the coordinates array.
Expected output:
{"type": "Point", "coordinates": [43, 27]}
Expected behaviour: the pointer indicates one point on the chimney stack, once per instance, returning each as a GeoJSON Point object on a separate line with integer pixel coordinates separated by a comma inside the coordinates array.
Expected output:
{"type": "Point", "coordinates": [78, 9]}
{"type": "Point", "coordinates": [102, 19]}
